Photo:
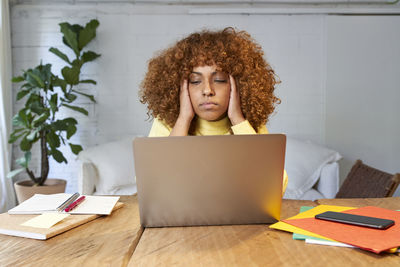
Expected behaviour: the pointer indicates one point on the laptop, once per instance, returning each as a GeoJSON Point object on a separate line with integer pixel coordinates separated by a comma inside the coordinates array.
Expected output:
{"type": "Point", "coordinates": [209, 180]}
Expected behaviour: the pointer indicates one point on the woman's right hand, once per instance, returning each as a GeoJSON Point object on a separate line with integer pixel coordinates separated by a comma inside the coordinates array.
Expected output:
{"type": "Point", "coordinates": [186, 112]}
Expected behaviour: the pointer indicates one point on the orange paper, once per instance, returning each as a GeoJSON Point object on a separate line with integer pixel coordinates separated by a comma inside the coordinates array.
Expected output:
{"type": "Point", "coordinates": [374, 240]}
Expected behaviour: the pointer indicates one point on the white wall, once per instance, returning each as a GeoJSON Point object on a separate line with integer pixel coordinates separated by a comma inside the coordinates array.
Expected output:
{"type": "Point", "coordinates": [129, 34]}
{"type": "Point", "coordinates": [363, 90]}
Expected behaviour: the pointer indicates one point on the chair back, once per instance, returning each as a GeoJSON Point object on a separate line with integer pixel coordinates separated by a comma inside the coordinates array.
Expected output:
{"type": "Point", "coordinates": [364, 181]}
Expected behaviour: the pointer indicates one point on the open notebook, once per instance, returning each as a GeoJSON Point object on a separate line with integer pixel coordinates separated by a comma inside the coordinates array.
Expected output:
{"type": "Point", "coordinates": [38, 204]}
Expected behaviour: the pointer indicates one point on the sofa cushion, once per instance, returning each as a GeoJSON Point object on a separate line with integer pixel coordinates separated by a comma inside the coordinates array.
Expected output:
{"type": "Point", "coordinates": [115, 167]}
{"type": "Point", "coordinates": [304, 162]}
{"type": "Point", "coordinates": [312, 195]}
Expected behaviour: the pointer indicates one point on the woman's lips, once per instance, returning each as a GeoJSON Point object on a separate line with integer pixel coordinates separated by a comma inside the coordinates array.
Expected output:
{"type": "Point", "coordinates": [208, 105]}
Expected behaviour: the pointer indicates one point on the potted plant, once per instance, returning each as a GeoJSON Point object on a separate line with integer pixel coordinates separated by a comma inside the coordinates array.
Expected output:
{"type": "Point", "coordinates": [38, 121]}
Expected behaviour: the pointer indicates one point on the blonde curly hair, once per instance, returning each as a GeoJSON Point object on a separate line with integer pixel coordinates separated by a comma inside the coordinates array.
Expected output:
{"type": "Point", "coordinates": [234, 52]}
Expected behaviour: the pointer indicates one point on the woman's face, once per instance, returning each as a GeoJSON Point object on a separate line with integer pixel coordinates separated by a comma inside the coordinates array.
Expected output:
{"type": "Point", "coordinates": [209, 92]}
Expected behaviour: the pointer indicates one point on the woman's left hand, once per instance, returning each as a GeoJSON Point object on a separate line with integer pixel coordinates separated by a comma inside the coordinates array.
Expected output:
{"type": "Point", "coordinates": [235, 113]}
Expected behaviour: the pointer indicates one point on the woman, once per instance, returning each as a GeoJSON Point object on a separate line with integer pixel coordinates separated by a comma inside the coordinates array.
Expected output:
{"type": "Point", "coordinates": [210, 83]}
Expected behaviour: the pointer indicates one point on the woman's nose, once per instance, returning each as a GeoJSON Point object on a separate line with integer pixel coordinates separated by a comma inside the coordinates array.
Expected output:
{"type": "Point", "coordinates": [208, 90]}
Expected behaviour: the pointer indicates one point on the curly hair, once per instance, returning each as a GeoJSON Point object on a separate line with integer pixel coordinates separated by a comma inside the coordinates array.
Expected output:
{"type": "Point", "coordinates": [234, 52]}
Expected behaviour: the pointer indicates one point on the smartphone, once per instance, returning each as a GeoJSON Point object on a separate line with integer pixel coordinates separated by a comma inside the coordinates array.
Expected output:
{"type": "Point", "coordinates": [372, 222]}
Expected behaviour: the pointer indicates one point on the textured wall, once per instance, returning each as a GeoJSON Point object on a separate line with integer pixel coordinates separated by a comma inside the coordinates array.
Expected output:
{"type": "Point", "coordinates": [363, 90]}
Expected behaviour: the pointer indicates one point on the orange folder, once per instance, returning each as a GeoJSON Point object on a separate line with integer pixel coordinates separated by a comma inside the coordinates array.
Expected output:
{"type": "Point", "coordinates": [374, 240]}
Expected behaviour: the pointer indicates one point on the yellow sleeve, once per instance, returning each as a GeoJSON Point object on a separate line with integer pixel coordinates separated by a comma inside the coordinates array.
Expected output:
{"type": "Point", "coordinates": [285, 182]}
{"type": "Point", "coordinates": [243, 128]}
{"type": "Point", "coordinates": [159, 129]}
{"type": "Point", "coordinates": [246, 128]}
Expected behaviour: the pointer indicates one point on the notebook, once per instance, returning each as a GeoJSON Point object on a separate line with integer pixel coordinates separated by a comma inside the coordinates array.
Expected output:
{"type": "Point", "coordinates": [209, 180]}
{"type": "Point", "coordinates": [40, 203]}
{"type": "Point", "coordinates": [11, 225]}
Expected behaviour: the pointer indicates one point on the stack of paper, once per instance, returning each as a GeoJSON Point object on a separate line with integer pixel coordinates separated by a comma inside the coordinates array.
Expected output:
{"type": "Point", "coordinates": [305, 226]}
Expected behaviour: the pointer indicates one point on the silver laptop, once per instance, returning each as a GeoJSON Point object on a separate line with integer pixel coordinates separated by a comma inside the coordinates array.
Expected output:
{"type": "Point", "coordinates": [209, 180]}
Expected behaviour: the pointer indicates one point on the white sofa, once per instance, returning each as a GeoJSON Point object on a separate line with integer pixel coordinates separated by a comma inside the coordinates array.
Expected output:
{"type": "Point", "coordinates": [108, 169]}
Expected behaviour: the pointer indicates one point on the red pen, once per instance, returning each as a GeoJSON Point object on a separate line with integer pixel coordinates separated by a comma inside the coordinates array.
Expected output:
{"type": "Point", "coordinates": [74, 204]}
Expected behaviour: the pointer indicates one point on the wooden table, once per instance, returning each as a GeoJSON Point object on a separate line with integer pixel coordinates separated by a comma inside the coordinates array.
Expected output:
{"type": "Point", "coordinates": [118, 240]}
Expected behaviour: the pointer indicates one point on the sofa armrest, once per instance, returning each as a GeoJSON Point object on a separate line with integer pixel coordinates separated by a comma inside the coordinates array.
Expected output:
{"type": "Point", "coordinates": [328, 184]}
{"type": "Point", "coordinates": [87, 178]}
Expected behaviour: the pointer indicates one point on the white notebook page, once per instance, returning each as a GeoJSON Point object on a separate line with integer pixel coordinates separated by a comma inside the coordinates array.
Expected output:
{"type": "Point", "coordinates": [39, 204]}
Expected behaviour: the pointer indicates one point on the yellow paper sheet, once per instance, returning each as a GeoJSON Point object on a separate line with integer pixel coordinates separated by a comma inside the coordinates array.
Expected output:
{"type": "Point", "coordinates": [46, 220]}
{"type": "Point", "coordinates": [308, 214]}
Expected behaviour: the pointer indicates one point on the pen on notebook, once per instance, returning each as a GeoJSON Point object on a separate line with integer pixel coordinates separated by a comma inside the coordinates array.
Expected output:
{"type": "Point", "coordinates": [75, 204]}
{"type": "Point", "coordinates": [68, 201]}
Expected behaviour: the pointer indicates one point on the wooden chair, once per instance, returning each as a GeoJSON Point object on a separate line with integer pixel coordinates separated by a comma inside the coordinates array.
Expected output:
{"type": "Point", "coordinates": [364, 181]}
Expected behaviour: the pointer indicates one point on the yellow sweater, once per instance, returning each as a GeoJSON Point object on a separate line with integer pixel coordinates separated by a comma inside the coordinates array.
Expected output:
{"type": "Point", "coordinates": [221, 127]}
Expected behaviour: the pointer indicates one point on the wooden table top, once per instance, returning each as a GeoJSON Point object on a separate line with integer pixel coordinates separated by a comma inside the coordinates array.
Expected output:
{"type": "Point", "coordinates": [118, 240]}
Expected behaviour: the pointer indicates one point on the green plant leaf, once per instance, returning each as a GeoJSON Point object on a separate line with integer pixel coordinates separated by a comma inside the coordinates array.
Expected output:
{"type": "Point", "coordinates": [59, 125]}
{"type": "Point", "coordinates": [27, 85]}
{"type": "Point", "coordinates": [91, 97]}
{"type": "Point", "coordinates": [25, 144]}
{"type": "Point", "coordinates": [88, 81]}
{"type": "Point", "coordinates": [44, 72]}
{"type": "Point", "coordinates": [71, 130]}
{"type": "Point", "coordinates": [40, 119]}
{"type": "Point", "coordinates": [22, 93]}
{"type": "Point", "coordinates": [71, 75]}
{"type": "Point", "coordinates": [70, 37]}
{"type": "Point", "coordinates": [18, 130]}
{"type": "Point", "coordinates": [70, 97]}
{"type": "Point", "coordinates": [60, 54]}
{"type": "Point", "coordinates": [32, 135]}
{"type": "Point", "coordinates": [62, 125]}
{"type": "Point", "coordinates": [53, 139]}
{"type": "Point", "coordinates": [34, 103]}
{"type": "Point", "coordinates": [14, 136]}
{"type": "Point", "coordinates": [37, 107]}
{"type": "Point", "coordinates": [57, 82]}
{"type": "Point", "coordinates": [75, 148]}
{"type": "Point", "coordinates": [24, 161]}
{"type": "Point", "coordinates": [70, 120]}
{"type": "Point", "coordinates": [17, 121]}
{"type": "Point", "coordinates": [76, 28]}
{"type": "Point", "coordinates": [14, 172]}
{"type": "Point", "coordinates": [34, 79]}
{"type": "Point", "coordinates": [53, 103]}
{"type": "Point", "coordinates": [22, 118]}
{"type": "Point", "coordinates": [79, 109]}
{"type": "Point", "coordinates": [88, 33]}
{"type": "Point", "coordinates": [77, 63]}
{"type": "Point", "coordinates": [89, 56]}
{"type": "Point", "coordinates": [58, 156]}
{"type": "Point", "coordinates": [17, 79]}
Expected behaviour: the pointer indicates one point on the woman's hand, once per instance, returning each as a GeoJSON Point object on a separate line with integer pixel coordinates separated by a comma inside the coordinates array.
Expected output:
{"type": "Point", "coordinates": [186, 109]}
{"type": "Point", "coordinates": [186, 112]}
{"type": "Point", "coordinates": [235, 113]}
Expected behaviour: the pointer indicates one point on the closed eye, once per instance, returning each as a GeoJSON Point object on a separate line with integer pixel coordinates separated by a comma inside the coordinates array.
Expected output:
{"type": "Point", "coordinates": [195, 82]}
{"type": "Point", "coordinates": [220, 81]}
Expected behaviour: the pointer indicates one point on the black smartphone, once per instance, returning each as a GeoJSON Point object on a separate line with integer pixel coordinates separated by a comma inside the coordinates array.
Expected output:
{"type": "Point", "coordinates": [372, 222]}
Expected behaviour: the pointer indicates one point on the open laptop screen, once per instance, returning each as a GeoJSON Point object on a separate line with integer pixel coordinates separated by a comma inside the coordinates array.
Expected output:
{"type": "Point", "coordinates": [209, 180]}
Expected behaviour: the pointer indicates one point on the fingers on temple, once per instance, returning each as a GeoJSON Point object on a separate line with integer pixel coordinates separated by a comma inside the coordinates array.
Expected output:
{"type": "Point", "coordinates": [232, 82]}
{"type": "Point", "coordinates": [184, 85]}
